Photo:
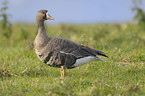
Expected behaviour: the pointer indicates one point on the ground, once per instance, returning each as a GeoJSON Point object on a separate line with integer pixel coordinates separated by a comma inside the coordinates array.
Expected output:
{"type": "Point", "coordinates": [22, 73]}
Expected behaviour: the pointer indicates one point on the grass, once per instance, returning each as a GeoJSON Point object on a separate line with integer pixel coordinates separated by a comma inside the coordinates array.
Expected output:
{"type": "Point", "coordinates": [23, 74]}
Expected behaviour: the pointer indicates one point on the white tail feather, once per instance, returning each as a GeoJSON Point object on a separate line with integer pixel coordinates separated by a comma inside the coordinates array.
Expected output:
{"type": "Point", "coordinates": [101, 60]}
{"type": "Point", "coordinates": [85, 60]}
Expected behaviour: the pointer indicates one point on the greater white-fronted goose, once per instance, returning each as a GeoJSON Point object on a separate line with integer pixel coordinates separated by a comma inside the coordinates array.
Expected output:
{"type": "Point", "coordinates": [59, 52]}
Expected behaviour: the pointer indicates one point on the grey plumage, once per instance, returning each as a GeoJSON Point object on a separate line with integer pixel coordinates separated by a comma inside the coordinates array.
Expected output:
{"type": "Point", "coordinates": [56, 51]}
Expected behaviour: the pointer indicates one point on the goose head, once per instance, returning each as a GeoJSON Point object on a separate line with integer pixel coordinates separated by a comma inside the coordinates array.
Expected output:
{"type": "Point", "coordinates": [43, 15]}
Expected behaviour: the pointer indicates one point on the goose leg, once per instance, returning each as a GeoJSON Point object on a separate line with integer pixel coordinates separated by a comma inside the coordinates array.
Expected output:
{"type": "Point", "coordinates": [63, 71]}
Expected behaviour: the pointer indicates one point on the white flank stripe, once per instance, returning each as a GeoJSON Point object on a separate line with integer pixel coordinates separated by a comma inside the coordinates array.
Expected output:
{"type": "Point", "coordinates": [64, 52]}
{"type": "Point", "coordinates": [85, 60]}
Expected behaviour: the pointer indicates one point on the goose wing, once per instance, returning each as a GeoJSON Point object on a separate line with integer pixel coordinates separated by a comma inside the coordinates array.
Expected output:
{"type": "Point", "coordinates": [59, 52]}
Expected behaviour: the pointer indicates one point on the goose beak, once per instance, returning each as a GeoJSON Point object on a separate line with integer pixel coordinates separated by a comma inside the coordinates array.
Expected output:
{"type": "Point", "coordinates": [48, 17]}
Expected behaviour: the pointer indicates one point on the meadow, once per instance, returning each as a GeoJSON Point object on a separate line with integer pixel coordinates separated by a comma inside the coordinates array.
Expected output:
{"type": "Point", "coordinates": [23, 74]}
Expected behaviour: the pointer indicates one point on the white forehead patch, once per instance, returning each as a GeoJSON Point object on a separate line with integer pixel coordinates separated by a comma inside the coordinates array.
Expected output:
{"type": "Point", "coordinates": [47, 15]}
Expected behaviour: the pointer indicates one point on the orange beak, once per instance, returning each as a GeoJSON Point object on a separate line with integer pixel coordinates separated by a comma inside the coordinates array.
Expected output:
{"type": "Point", "coordinates": [48, 17]}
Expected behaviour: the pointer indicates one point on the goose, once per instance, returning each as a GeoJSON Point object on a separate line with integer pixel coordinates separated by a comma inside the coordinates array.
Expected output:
{"type": "Point", "coordinates": [59, 52]}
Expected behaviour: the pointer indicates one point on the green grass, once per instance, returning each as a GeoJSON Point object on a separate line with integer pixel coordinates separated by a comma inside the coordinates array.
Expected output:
{"type": "Point", "coordinates": [23, 74]}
